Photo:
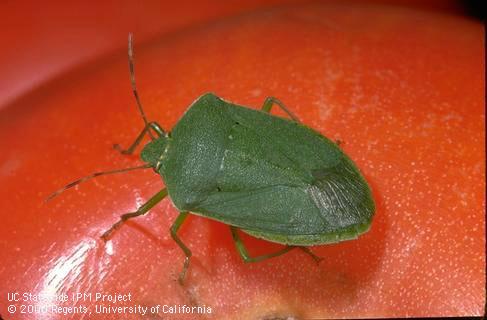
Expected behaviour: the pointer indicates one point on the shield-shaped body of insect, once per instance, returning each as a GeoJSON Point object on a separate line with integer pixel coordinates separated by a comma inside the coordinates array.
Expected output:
{"type": "Point", "coordinates": [268, 176]}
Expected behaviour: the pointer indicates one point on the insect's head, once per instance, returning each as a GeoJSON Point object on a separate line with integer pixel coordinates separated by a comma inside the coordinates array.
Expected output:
{"type": "Point", "coordinates": [155, 151]}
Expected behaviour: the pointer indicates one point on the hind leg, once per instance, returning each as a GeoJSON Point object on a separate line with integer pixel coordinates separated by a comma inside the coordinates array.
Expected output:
{"type": "Point", "coordinates": [245, 255]}
{"type": "Point", "coordinates": [247, 258]}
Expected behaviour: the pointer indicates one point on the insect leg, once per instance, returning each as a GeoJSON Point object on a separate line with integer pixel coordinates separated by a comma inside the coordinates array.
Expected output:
{"type": "Point", "coordinates": [270, 101]}
{"type": "Point", "coordinates": [151, 125]}
{"type": "Point", "coordinates": [140, 211]}
{"type": "Point", "coordinates": [245, 255]}
{"type": "Point", "coordinates": [174, 229]}
{"type": "Point", "coordinates": [316, 258]}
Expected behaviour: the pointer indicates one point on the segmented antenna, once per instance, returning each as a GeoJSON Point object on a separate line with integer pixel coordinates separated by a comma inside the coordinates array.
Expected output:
{"type": "Point", "coordinates": [132, 81]}
{"type": "Point", "coordinates": [91, 176]}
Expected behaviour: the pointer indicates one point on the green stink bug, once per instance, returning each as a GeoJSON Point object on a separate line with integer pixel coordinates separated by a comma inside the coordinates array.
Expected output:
{"type": "Point", "coordinates": [268, 176]}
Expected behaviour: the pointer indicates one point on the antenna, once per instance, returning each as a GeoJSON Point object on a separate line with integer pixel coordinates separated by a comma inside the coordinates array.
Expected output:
{"type": "Point", "coordinates": [91, 176]}
{"type": "Point", "coordinates": [132, 81]}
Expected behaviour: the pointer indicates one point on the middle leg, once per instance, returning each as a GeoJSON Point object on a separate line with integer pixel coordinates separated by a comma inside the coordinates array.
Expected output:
{"type": "Point", "coordinates": [270, 101]}
{"type": "Point", "coordinates": [174, 229]}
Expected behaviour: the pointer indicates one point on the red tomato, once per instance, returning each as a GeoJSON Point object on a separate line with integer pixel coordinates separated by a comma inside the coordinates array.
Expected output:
{"type": "Point", "coordinates": [402, 89]}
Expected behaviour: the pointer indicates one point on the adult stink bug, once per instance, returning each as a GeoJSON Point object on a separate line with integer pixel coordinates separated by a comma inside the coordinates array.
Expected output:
{"type": "Point", "coordinates": [268, 176]}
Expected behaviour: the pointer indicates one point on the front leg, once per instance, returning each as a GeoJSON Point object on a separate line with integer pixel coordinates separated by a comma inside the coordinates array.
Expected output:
{"type": "Point", "coordinates": [152, 125]}
{"type": "Point", "coordinates": [140, 211]}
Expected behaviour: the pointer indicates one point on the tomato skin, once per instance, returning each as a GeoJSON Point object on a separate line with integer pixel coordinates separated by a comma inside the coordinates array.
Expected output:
{"type": "Point", "coordinates": [401, 89]}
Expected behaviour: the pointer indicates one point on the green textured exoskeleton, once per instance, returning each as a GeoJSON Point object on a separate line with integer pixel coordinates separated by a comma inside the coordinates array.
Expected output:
{"type": "Point", "coordinates": [271, 177]}
{"type": "Point", "coordinates": [268, 176]}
